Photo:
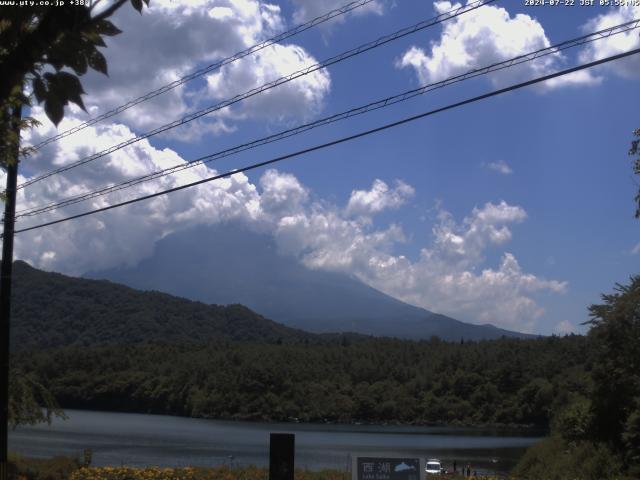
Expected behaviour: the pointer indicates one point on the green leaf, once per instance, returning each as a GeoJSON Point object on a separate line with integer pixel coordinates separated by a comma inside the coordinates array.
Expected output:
{"type": "Point", "coordinates": [70, 88]}
{"type": "Point", "coordinates": [54, 108]}
{"type": "Point", "coordinates": [78, 63]}
{"type": "Point", "coordinates": [69, 82]}
{"type": "Point", "coordinates": [39, 89]}
{"type": "Point", "coordinates": [94, 38]}
{"type": "Point", "coordinates": [105, 27]}
{"type": "Point", "coordinates": [137, 4]}
{"type": "Point", "coordinates": [97, 61]}
{"type": "Point", "coordinates": [63, 87]}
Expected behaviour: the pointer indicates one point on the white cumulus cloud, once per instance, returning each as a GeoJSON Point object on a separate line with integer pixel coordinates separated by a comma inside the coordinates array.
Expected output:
{"type": "Point", "coordinates": [500, 166]}
{"type": "Point", "coordinates": [282, 194]}
{"type": "Point", "coordinates": [482, 37]}
{"type": "Point", "coordinates": [300, 98]}
{"type": "Point", "coordinates": [379, 198]}
{"type": "Point", "coordinates": [124, 235]}
{"type": "Point", "coordinates": [173, 38]}
{"type": "Point", "coordinates": [445, 278]}
{"type": "Point", "coordinates": [450, 275]}
{"type": "Point", "coordinates": [627, 67]}
{"type": "Point", "coordinates": [306, 10]}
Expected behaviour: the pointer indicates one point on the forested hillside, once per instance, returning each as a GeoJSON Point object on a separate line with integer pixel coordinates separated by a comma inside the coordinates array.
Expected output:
{"type": "Point", "coordinates": [54, 310]}
{"type": "Point", "coordinates": [379, 380]}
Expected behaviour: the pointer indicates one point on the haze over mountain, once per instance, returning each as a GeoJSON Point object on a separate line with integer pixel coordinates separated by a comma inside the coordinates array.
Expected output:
{"type": "Point", "coordinates": [51, 310]}
{"type": "Point", "coordinates": [231, 265]}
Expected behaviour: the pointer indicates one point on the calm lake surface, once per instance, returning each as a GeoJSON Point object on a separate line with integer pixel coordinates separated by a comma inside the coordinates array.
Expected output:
{"type": "Point", "coordinates": [146, 440]}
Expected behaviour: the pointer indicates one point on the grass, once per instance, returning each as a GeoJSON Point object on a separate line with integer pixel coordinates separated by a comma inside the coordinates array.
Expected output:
{"type": "Point", "coordinates": [57, 468]}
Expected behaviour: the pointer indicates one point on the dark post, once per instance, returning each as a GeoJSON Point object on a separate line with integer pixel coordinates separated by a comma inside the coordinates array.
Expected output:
{"type": "Point", "coordinates": [281, 456]}
{"type": "Point", "coordinates": [5, 297]}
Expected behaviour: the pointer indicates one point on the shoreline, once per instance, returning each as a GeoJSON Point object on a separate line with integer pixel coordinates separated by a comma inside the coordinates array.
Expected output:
{"type": "Point", "coordinates": [534, 430]}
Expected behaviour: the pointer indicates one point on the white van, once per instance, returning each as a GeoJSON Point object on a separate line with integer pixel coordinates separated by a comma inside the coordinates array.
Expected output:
{"type": "Point", "coordinates": [433, 467]}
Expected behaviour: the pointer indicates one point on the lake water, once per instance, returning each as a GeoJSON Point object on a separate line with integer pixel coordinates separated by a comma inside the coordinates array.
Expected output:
{"type": "Point", "coordinates": [145, 440]}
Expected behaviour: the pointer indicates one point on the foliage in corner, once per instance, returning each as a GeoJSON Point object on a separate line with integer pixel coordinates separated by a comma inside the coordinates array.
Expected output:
{"type": "Point", "coordinates": [597, 433]}
{"type": "Point", "coordinates": [615, 326]}
{"type": "Point", "coordinates": [635, 150]}
{"type": "Point", "coordinates": [45, 49]}
{"type": "Point", "coordinates": [30, 402]}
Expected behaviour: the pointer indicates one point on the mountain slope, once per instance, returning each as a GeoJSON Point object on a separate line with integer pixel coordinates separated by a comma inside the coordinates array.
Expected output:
{"type": "Point", "coordinates": [227, 264]}
{"type": "Point", "coordinates": [52, 310]}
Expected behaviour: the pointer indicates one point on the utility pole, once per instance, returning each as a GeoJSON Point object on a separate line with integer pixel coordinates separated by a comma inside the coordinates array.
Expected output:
{"type": "Point", "coordinates": [5, 293]}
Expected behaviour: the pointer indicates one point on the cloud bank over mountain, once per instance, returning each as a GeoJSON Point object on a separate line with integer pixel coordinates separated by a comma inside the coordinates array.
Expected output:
{"type": "Point", "coordinates": [464, 264]}
{"type": "Point", "coordinates": [449, 276]}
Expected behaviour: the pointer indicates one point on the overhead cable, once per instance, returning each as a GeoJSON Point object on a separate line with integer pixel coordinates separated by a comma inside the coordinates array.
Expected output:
{"type": "Point", "coordinates": [209, 68]}
{"type": "Point", "coordinates": [340, 140]}
{"type": "Point", "coordinates": [383, 103]}
{"type": "Point", "coordinates": [455, 12]}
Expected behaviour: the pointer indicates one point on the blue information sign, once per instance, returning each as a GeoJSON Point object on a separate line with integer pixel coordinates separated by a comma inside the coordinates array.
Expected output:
{"type": "Point", "coordinates": [386, 468]}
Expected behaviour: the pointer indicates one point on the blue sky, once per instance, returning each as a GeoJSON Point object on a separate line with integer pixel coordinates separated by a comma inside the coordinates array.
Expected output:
{"type": "Point", "coordinates": [516, 211]}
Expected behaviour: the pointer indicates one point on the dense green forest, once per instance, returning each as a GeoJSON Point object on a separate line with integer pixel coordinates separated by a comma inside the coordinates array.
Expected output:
{"type": "Point", "coordinates": [378, 380]}
{"type": "Point", "coordinates": [596, 433]}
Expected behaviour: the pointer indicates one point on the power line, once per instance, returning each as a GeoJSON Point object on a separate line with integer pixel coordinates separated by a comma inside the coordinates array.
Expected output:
{"type": "Point", "coordinates": [455, 12]}
{"type": "Point", "coordinates": [605, 33]}
{"type": "Point", "coordinates": [209, 68]}
{"type": "Point", "coordinates": [340, 140]}
{"type": "Point", "coordinates": [383, 103]}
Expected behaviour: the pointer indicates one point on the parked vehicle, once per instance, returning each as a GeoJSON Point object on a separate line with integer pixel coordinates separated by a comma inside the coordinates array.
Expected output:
{"type": "Point", "coordinates": [434, 467]}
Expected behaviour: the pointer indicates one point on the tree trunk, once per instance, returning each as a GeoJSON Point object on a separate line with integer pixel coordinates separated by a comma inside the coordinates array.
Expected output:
{"type": "Point", "coordinates": [5, 296]}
